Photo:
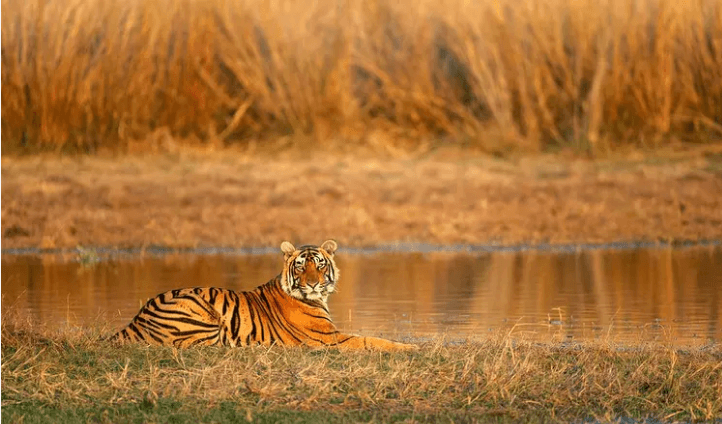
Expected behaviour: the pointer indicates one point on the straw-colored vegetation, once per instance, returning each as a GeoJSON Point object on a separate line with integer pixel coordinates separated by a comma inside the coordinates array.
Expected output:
{"type": "Point", "coordinates": [70, 376]}
{"type": "Point", "coordinates": [227, 199]}
{"type": "Point", "coordinates": [496, 74]}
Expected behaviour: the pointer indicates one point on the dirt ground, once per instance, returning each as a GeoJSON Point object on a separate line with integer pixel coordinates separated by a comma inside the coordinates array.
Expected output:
{"type": "Point", "coordinates": [227, 198]}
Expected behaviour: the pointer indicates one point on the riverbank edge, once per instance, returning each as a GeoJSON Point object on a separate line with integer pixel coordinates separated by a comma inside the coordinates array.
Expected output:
{"type": "Point", "coordinates": [226, 202]}
{"type": "Point", "coordinates": [396, 248]}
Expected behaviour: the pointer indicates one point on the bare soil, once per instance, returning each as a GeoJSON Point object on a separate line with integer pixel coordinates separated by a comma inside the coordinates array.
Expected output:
{"type": "Point", "coordinates": [231, 198]}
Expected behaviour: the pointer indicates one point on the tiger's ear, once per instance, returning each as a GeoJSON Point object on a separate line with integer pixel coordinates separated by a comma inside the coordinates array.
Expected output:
{"type": "Point", "coordinates": [287, 249]}
{"type": "Point", "coordinates": [329, 246]}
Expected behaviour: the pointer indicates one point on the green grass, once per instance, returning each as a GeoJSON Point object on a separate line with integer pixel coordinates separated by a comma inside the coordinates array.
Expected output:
{"type": "Point", "coordinates": [72, 377]}
{"type": "Point", "coordinates": [179, 411]}
{"type": "Point", "coordinates": [166, 410]}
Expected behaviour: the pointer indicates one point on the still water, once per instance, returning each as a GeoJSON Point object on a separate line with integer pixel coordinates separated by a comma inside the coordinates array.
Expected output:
{"type": "Point", "coordinates": [662, 294]}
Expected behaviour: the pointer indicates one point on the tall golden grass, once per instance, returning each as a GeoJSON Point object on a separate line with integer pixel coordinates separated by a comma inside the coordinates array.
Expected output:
{"type": "Point", "coordinates": [498, 74]}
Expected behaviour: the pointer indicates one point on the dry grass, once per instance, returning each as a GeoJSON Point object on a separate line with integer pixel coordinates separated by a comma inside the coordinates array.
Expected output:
{"type": "Point", "coordinates": [70, 374]}
{"type": "Point", "coordinates": [228, 199]}
{"type": "Point", "coordinates": [500, 75]}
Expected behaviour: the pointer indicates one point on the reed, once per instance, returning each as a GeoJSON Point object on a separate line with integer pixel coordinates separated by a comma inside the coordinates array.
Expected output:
{"type": "Point", "coordinates": [80, 75]}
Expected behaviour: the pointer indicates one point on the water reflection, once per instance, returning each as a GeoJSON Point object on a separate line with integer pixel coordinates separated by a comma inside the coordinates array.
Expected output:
{"type": "Point", "coordinates": [623, 295]}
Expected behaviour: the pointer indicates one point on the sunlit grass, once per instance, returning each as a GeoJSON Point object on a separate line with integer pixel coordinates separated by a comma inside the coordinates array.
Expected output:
{"type": "Point", "coordinates": [496, 74]}
{"type": "Point", "coordinates": [71, 375]}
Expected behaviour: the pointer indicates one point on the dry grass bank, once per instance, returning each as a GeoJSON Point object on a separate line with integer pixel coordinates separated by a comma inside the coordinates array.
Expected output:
{"type": "Point", "coordinates": [82, 75]}
{"type": "Point", "coordinates": [230, 199]}
{"type": "Point", "coordinates": [72, 377]}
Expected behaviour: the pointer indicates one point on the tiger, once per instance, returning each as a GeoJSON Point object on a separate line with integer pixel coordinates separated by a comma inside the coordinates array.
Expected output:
{"type": "Point", "coordinates": [290, 309]}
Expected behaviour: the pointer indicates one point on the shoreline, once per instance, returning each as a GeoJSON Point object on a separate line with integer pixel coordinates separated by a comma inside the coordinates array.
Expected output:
{"type": "Point", "coordinates": [399, 248]}
{"type": "Point", "coordinates": [444, 200]}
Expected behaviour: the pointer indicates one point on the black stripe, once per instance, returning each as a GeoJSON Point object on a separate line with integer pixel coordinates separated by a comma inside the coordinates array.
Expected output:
{"type": "Point", "coordinates": [317, 316]}
{"type": "Point", "coordinates": [213, 294]}
{"type": "Point", "coordinates": [157, 324]}
{"type": "Point", "coordinates": [155, 335]}
{"type": "Point", "coordinates": [272, 336]}
{"type": "Point", "coordinates": [199, 341]}
{"type": "Point", "coordinates": [290, 279]}
{"type": "Point", "coordinates": [343, 341]}
{"type": "Point", "coordinates": [169, 314]}
{"type": "Point", "coordinates": [178, 342]}
{"type": "Point", "coordinates": [159, 309]}
{"type": "Point", "coordinates": [132, 326]}
{"type": "Point", "coordinates": [327, 333]}
{"type": "Point", "coordinates": [235, 316]}
{"type": "Point", "coordinates": [225, 302]}
{"type": "Point", "coordinates": [252, 309]}
{"type": "Point", "coordinates": [190, 332]}
{"type": "Point", "coordinates": [148, 332]}
{"type": "Point", "coordinates": [274, 324]}
{"type": "Point", "coordinates": [307, 336]}
{"type": "Point", "coordinates": [205, 305]}
{"type": "Point", "coordinates": [263, 331]}
{"type": "Point", "coordinates": [196, 322]}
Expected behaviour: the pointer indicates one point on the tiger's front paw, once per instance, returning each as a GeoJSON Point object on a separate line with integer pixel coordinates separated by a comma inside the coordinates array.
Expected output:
{"type": "Point", "coordinates": [404, 346]}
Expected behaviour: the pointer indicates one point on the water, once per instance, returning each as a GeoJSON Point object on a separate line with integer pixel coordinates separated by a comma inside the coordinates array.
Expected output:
{"type": "Point", "coordinates": [662, 294]}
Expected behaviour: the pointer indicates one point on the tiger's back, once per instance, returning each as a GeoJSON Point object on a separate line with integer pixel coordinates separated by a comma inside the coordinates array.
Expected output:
{"type": "Point", "coordinates": [218, 316]}
{"type": "Point", "coordinates": [291, 310]}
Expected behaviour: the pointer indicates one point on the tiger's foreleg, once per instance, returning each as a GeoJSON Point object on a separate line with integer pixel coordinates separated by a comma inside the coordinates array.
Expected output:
{"type": "Point", "coordinates": [354, 342]}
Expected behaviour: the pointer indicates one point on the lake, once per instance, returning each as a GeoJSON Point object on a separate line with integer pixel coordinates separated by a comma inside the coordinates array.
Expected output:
{"type": "Point", "coordinates": [662, 294]}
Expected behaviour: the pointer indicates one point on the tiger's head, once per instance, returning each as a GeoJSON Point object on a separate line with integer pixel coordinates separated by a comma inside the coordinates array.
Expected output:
{"type": "Point", "coordinates": [309, 272]}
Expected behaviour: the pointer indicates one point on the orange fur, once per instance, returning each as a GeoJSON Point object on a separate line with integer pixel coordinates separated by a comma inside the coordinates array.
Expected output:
{"type": "Point", "coordinates": [291, 310]}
